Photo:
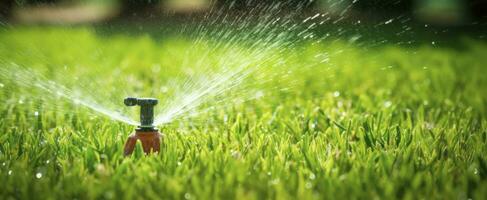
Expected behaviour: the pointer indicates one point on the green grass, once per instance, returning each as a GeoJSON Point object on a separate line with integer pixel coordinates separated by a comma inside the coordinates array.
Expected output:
{"type": "Point", "coordinates": [385, 122]}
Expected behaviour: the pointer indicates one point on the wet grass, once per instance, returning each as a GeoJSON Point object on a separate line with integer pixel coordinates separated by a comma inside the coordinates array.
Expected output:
{"type": "Point", "coordinates": [384, 122]}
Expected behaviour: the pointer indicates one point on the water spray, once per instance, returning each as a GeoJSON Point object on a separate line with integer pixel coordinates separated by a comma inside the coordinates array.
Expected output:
{"type": "Point", "coordinates": [146, 132]}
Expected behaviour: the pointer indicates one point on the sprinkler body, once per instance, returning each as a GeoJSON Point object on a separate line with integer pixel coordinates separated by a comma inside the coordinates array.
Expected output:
{"type": "Point", "coordinates": [146, 133]}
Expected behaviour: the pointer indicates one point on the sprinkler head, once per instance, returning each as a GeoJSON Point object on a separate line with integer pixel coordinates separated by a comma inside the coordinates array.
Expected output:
{"type": "Point", "coordinates": [146, 110]}
{"type": "Point", "coordinates": [146, 133]}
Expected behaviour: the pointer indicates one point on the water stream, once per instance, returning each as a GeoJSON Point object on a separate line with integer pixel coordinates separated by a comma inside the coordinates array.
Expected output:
{"type": "Point", "coordinates": [249, 44]}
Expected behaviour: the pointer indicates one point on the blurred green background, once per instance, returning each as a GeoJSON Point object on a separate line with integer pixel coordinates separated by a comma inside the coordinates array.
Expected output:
{"type": "Point", "coordinates": [444, 12]}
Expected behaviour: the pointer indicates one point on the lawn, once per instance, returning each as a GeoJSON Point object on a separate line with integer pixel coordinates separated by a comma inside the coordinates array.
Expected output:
{"type": "Point", "coordinates": [337, 119]}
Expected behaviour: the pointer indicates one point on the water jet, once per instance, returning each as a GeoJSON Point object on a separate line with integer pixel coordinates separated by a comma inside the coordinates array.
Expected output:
{"type": "Point", "coordinates": [146, 132]}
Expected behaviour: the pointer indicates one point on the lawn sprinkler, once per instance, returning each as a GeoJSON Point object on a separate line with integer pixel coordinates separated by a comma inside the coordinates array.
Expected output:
{"type": "Point", "coordinates": [148, 135]}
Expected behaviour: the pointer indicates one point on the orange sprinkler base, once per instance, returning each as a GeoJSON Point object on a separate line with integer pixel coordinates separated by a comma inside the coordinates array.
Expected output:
{"type": "Point", "coordinates": [151, 142]}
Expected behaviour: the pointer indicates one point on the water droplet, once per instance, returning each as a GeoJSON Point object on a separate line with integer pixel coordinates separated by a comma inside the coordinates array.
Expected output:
{"type": "Point", "coordinates": [259, 94]}
{"type": "Point", "coordinates": [9, 172]}
{"type": "Point", "coordinates": [389, 21]}
{"type": "Point", "coordinates": [315, 16]}
{"type": "Point", "coordinates": [354, 38]}
{"type": "Point", "coordinates": [308, 185]}
{"type": "Point", "coordinates": [100, 169]}
{"type": "Point", "coordinates": [21, 101]}
{"type": "Point", "coordinates": [38, 175]}
{"type": "Point", "coordinates": [429, 126]}
{"type": "Point", "coordinates": [1, 85]}
{"type": "Point", "coordinates": [235, 154]}
{"type": "Point", "coordinates": [164, 89]}
{"type": "Point", "coordinates": [36, 113]}
{"type": "Point", "coordinates": [187, 195]}
{"type": "Point", "coordinates": [336, 94]}
{"type": "Point", "coordinates": [312, 176]}
{"type": "Point", "coordinates": [387, 104]}
{"type": "Point", "coordinates": [179, 163]}
{"type": "Point", "coordinates": [48, 161]}
{"type": "Point", "coordinates": [433, 43]}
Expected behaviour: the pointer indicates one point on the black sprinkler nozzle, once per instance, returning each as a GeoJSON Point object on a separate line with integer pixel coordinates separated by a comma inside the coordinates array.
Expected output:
{"type": "Point", "coordinates": [146, 133]}
{"type": "Point", "coordinates": [146, 110]}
